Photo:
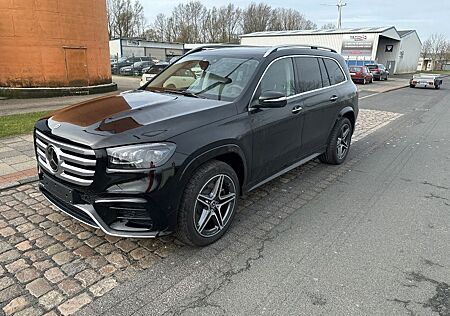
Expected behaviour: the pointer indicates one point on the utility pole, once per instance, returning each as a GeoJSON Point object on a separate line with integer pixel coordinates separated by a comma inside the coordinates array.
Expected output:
{"type": "Point", "coordinates": [340, 4]}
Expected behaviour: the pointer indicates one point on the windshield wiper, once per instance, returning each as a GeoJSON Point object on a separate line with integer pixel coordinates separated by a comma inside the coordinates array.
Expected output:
{"type": "Point", "coordinates": [181, 92]}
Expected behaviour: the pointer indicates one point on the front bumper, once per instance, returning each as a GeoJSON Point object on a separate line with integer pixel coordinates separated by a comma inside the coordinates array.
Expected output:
{"type": "Point", "coordinates": [87, 214]}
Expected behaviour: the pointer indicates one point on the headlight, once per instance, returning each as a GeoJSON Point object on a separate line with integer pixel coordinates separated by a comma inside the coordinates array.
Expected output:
{"type": "Point", "coordinates": [140, 156]}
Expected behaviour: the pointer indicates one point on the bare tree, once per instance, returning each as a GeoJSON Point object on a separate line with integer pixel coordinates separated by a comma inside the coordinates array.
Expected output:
{"type": "Point", "coordinates": [256, 17]}
{"type": "Point", "coordinates": [288, 19]}
{"type": "Point", "coordinates": [426, 49]}
{"type": "Point", "coordinates": [328, 26]}
{"type": "Point", "coordinates": [125, 19]}
{"type": "Point", "coordinates": [438, 44]}
{"type": "Point", "coordinates": [192, 22]}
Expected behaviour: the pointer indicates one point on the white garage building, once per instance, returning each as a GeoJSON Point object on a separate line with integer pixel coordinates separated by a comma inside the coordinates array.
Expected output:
{"type": "Point", "coordinates": [127, 47]}
{"type": "Point", "coordinates": [399, 51]}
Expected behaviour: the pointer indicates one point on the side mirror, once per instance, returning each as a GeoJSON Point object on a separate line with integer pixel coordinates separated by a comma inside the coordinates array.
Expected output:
{"type": "Point", "coordinates": [272, 99]}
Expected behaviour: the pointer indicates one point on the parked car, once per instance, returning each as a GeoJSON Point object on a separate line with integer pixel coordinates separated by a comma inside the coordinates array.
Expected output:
{"type": "Point", "coordinates": [127, 61]}
{"type": "Point", "coordinates": [150, 72]}
{"type": "Point", "coordinates": [378, 71]}
{"type": "Point", "coordinates": [175, 155]}
{"type": "Point", "coordinates": [361, 74]}
{"type": "Point", "coordinates": [135, 69]}
{"type": "Point", "coordinates": [426, 80]}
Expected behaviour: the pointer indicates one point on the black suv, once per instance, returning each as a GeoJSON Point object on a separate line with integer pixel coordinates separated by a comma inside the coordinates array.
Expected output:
{"type": "Point", "coordinates": [176, 154]}
{"type": "Point", "coordinates": [378, 71]}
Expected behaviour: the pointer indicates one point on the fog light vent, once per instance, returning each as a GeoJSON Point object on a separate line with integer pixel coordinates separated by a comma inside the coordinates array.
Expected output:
{"type": "Point", "coordinates": [131, 213]}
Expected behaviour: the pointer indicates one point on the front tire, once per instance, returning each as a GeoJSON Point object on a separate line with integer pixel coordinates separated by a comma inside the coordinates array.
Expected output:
{"type": "Point", "coordinates": [339, 143]}
{"type": "Point", "coordinates": [209, 204]}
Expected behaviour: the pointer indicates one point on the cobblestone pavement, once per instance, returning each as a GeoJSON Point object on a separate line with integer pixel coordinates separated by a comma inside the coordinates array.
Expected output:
{"type": "Point", "coordinates": [16, 159]}
{"type": "Point", "coordinates": [50, 263]}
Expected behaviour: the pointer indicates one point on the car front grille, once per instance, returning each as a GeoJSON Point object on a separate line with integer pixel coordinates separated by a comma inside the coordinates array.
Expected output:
{"type": "Point", "coordinates": [74, 164]}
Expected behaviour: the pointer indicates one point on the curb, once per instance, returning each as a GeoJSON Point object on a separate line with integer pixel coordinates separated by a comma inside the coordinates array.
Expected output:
{"type": "Point", "coordinates": [396, 88]}
{"type": "Point", "coordinates": [47, 92]}
{"type": "Point", "coordinates": [18, 183]}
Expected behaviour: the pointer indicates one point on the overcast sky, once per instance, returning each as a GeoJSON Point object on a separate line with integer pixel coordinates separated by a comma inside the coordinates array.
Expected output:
{"type": "Point", "coordinates": [425, 16]}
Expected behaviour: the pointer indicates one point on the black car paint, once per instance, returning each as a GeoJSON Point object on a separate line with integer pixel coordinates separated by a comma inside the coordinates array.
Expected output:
{"type": "Point", "coordinates": [258, 143]}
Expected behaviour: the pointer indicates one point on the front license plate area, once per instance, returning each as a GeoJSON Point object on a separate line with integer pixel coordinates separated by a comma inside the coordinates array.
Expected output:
{"type": "Point", "coordinates": [58, 190]}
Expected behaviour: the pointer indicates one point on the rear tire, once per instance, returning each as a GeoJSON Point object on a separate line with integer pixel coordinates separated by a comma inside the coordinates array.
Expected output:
{"type": "Point", "coordinates": [340, 139]}
{"type": "Point", "coordinates": [204, 217]}
{"type": "Point", "coordinates": [437, 87]}
{"type": "Point", "coordinates": [412, 86]}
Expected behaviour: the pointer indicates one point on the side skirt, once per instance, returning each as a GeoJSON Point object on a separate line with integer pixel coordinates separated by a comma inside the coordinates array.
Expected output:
{"type": "Point", "coordinates": [285, 170]}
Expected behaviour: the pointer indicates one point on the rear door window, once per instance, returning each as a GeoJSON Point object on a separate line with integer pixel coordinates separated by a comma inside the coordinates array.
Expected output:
{"type": "Point", "coordinates": [309, 75]}
{"type": "Point", "coordinates": [334, 71]}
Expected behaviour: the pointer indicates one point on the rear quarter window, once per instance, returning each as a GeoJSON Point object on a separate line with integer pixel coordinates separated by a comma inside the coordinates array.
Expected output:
{"type": "Point", "coordinates": [334, 71]}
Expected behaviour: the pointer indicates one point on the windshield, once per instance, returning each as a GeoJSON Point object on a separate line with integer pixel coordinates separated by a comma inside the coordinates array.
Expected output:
{"type": "Point", "coordinates": [214, 77]}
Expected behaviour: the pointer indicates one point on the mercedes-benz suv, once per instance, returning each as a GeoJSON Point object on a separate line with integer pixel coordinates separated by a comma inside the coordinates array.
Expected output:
{"type": "Point", "coordinates": [176, 154]}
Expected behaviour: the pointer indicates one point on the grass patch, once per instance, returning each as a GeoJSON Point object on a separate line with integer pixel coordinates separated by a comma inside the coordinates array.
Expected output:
{"type": "Point", "coordinates": [16, 124]}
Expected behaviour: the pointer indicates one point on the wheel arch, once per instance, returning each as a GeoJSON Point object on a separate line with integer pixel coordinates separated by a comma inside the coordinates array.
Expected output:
{"type": "Point", "coordinates": [231, 154]}
{"type": "Point", "coordinates": [349, 113]}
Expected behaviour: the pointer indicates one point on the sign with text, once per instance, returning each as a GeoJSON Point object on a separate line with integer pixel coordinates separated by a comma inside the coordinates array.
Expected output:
{"type": "Point", "coordinates": [357, 44]}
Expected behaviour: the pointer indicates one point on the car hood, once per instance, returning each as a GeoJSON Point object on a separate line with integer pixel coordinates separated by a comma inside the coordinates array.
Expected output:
{"type": "Point", "coordinates": [134, 117]}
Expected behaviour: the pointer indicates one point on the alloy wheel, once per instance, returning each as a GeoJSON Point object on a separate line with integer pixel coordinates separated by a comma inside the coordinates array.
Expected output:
{"type": "Point", "coordinates": [214, 205]}
{"type": "Point", "coordinates": [343, 141]}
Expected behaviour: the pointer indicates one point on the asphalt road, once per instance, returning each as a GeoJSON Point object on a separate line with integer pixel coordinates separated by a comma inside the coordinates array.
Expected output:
{"type": "Point", "coordinates": [372, 241]}
{"type": "Point", "coordinates": [375, 242]}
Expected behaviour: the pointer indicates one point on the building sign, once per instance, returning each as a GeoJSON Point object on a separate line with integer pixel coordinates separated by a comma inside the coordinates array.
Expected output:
{"type": "Point", "coordinates": [133, 43]}
{"type": "Point", "coordinates": [357, 45]}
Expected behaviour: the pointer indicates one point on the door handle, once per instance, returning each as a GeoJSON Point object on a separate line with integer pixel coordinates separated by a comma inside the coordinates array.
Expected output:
{"type": "Point", "coordinates": [297, 109]}
{"type": "Point", "coordinates": [334, 98]}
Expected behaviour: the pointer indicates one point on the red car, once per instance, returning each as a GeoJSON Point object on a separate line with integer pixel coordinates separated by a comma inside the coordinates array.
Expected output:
{"type": "Point", "coordinates": [361, 74]}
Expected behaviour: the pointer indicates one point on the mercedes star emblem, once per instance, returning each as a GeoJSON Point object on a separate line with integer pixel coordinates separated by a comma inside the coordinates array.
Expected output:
{"type": "Point", "coordinates": [52, 158]}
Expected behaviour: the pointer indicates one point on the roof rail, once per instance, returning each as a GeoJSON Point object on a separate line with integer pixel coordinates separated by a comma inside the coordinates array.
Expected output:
{"type": "Point", "coordinates": [276, 48]}
{"type": "Point", "coordinates": [212, 46]}
{"type": "Point", "coordinates": [203, 47]}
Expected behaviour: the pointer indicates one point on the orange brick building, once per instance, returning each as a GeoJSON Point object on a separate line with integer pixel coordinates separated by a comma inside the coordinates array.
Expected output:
{"type": "Point", "coordinates": [53, 43]}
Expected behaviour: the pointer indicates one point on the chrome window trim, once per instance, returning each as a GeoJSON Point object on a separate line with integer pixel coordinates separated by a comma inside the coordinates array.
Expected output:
{"type": "Point", "coordinates": [301, 93]}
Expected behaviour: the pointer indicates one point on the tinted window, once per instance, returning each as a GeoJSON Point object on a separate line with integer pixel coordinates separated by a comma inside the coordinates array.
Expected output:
{"type": "Point", "coordinates": [372, 66]}
{"type": "Point", "coordinates": [279, 77]}
{"type": "Point", "coordinates": [323, 71]}
{"type": "Point", "coordinates": [308, 73]}
{"type": "Point", "coordinates": [334, 71]}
